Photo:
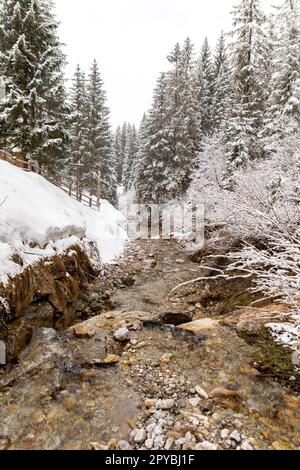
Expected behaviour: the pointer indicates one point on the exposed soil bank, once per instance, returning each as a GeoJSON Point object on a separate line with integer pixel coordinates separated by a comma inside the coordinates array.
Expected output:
{"type": "Point", "coordinates": [43, 295]}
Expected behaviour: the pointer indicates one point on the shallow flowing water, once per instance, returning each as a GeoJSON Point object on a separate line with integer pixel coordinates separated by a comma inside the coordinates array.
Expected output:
{"type": "Point", "coordinates": [60, 396]}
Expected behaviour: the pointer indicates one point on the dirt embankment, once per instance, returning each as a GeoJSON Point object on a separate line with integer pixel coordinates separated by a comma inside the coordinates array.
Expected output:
{"type": "Point", "coordinates": [43, 295]}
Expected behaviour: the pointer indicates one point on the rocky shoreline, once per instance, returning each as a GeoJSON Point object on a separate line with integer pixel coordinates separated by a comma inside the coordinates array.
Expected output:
{"type": "Point", "coordinates": [145, 370]}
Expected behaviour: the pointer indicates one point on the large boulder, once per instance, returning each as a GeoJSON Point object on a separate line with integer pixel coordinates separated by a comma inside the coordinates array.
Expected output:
{"type": "Point", "coordinates": [204, 326]}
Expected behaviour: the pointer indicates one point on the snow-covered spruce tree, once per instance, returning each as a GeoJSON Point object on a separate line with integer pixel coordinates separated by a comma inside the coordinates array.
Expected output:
{"type": "Point", "coordinates": [33, 115]}
{"type": "Point", "coordinates": [141, 142]}
{"type": "Point", "coordinates": [130, 156]}
{"type": "Point", "coordinates": [222, 86]}
{"type": "Point", "coordinates": [78, 121]}
{"type": "Point", "coordinates": [182, 126]}
{"type": "Point", "coordinates": [155, 154]}
{"type": "Point", "coordinates": [120, 145]}
{"type": "Point", "coordinates": [99, 170]}
{"type": "Point", "coordinates": [249, 56]}
{"type": "Point", "coordinates": [172, 137]}
{"type": "Point", "coordinates": [126, 137]}
{"type": "Point", "coordinates": [118, 154]}
{"type": "Point", "coordinates": [203, 76]}
{"type": "Point", "coordinates": [283, 107]}
{"type": "Point", "coordinates": [189, 100]}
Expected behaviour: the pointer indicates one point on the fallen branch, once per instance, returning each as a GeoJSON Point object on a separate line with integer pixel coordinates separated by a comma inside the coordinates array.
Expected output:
{"type": "Point", "coordinates": [198, 279]}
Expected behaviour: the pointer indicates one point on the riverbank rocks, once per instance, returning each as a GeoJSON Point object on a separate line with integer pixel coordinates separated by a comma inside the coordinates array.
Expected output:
{"type": "Point", "coordinates": [204, 326]}
{"type": "Point", "coordinates": [221, 392]}
{"type": "Point", "coordinates": [167, 404]}
{"type": "Point", "coordinates": [138, 436]}
{"type": "Point", "coordinates": [205, 445]}
{"type": "Point", "coordinates": [194, 402]}
{"type": "Point", "coordinates": [235, 436]}
{"type": "Point", "coordinates": [251, 321]}
{"type": "Point", "coordinates": [4, 443]}
{"type": "Point", "coordinates": [97, 446]}
{"type": "Point", "coordinates": [45, 294]}
{"type": "Point", "coordinates": [83, 331]}
{"type": "Point", "coordinates": [124, 445]}
{"type": "Point", "coordinates": [109, 360]}
{"type": "Point", "coordinates": [122, 335]}
{"type": "Point", "coordinates": [202, 393]}
{"type": "Point", "coordinates": [246, 446]}
{"type": "Point", "coordinates": [165, 359]}
{"type": "Point", "coordinates": [224, 434]}
{"type": "Point", "coordinates": [115, 320]}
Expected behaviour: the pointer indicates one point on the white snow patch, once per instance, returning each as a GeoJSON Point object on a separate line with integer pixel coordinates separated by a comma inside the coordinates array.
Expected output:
{"type": "Point", "coordinates": [286, 334]}
{"type": "Point", "coordinates": [38, 220]}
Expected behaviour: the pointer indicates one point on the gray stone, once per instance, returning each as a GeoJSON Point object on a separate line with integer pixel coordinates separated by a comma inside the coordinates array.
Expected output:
{"type": "Point", "coordinates": [167, 404]}
{"type": "Point", "coordinates": [159, 441]}
{"type": "Point", "coordinates": [124, 445]}
{"type": "Point", "coordinates": [150, 427]}
{"type": "Point", "coordinates": [205, 445]}
{"type": "Point", "coordinates": [224, 434]}
{"type": "Point", "coordinates": [180, 442]}
{"type": "Point", "coordinates": [140, 436]}
{"type": "Point", "coordinates": [202, 393]}
{"type": "Point", "coordinates": [237, 423]}
{"type": "Point", "coordinates": [149, 444]}
{"type": "Point", "coordinates": [246, 446]}
{"type": "Point", "coordinates": [4, 443]}
{"type": "Point", "coordinates": [157, 431]}
{"type": "Point", "coordinates": [122, 335]}
{"type": "Point", "coordinates": [169, 443]}
{"type": "Point", "coordinates": [194, 402]}
{"type": "Point", "coordinates": [189, 437]}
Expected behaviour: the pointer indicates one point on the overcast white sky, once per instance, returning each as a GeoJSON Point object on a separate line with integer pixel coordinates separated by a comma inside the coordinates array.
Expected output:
{"type": "Point", "coordinates": [131, 38]}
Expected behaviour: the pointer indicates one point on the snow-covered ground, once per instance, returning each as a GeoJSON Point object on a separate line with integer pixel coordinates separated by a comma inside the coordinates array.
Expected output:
{"type": "Point", "coordinates": [37, 219]}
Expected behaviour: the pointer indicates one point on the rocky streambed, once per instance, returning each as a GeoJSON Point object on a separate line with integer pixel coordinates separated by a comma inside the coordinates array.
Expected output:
{"type": "Point", "coordinates": [151, 371]}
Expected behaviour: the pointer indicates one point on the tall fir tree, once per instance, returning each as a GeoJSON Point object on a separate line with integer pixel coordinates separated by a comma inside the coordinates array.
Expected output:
{"type": "Point", "coordinates": [203, 76]}
{"type": "Point", "coordinates": [222, 86]}
{"type": "Point", "coordinates": [34, 114]}
{"type": "Point", "coordinates": [283, 106]}
{"type": "Point", "coordinates": [155, 151]}
{"type": "Point", "coordinates": [249, 56]}
{"type": "Point", "coordinates": [141, 143]}
{"type": "Point", "coordinates": [99, 168]}
{"type": "Point", "coordinates": [78, 120]}
{"type": "Point", "coordinates": [171, 138]}
{"type": "Point", "coordinates": [182, 124]}
{"type": "Point", "coordinates": [118, 154]}
{"type": "Point", "coordinates": [130, 157]}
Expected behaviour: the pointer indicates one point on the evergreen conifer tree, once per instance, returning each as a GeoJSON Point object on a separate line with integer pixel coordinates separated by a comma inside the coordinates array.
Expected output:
{"type": "Point", "coordinates": [249, 59]}
{"type": "Point", "coordinates": [99, 167]}
{"type": "Point", "coordinates": [78, 120]}
{"type": "Point", "coordinates": [283, 107]}
{"type": "Point", "coordinates": [33, 117]}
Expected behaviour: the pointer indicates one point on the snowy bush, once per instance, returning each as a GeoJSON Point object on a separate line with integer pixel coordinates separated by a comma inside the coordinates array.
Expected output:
{"type": "Point", "coordinates": [261, 207]}
{"type": "Point", "coordinates": [208, 187]}
{"type": "Point", "coordinates": [267, 208]}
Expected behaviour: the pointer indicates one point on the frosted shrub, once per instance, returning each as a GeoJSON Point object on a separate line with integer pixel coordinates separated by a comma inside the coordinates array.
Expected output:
{"type": "Point", "coordinates": [267, 206]}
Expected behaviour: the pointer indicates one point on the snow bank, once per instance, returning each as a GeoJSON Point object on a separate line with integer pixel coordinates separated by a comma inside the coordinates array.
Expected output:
{"type": "Point", "coordinates": [37, 219]}
{"type": "Point", "coordinates": [287, 334]}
